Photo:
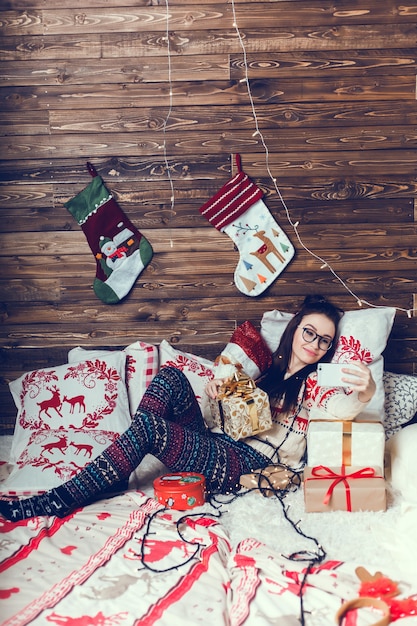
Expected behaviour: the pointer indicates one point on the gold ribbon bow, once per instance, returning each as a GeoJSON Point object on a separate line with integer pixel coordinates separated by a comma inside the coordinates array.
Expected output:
{"type": "Point", "coordinates": [241, 386]}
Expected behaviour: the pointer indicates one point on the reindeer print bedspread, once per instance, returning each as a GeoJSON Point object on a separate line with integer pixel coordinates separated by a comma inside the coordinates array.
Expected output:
{"type": "Point", "coordinates": [127, 561]}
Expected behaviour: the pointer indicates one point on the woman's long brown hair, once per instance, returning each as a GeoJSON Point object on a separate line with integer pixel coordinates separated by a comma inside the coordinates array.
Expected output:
{"type": "Point", "coordinates": [273, 381]}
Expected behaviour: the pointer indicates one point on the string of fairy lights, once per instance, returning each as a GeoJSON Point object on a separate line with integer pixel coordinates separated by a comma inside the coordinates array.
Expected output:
{"type": "Point", "coordinates": [312, 557]}
{"type": "Point", "coordinates": [167, 40]}
{"type": "Point", "coordinates": [258, 133]}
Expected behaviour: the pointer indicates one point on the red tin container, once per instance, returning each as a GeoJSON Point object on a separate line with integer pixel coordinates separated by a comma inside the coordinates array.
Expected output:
{"type": "Point", "coordinates": [181, 491]}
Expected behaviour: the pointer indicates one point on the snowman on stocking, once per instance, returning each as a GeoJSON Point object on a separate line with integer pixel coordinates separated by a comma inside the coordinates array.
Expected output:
{"type": "Point", "coordinates": [239, 211]}
{"type": "Point", "coordinates": [120, 250]}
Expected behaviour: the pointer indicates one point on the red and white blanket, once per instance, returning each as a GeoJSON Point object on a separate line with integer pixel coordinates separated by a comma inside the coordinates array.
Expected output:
{"type": "Point", "coordinates": [127, 561]}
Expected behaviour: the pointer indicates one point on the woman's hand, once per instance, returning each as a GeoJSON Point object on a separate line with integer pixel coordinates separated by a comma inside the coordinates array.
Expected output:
{"type": "Point", "coordinates": [359, 378]}
{"type": "Point", "coordinates": [212, 387]}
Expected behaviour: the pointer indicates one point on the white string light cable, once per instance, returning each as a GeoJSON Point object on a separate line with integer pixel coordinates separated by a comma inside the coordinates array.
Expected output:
{"type": "Point", "coordinates": [294, 225]}
{"type": "Point", "coordinates": [169, 112]}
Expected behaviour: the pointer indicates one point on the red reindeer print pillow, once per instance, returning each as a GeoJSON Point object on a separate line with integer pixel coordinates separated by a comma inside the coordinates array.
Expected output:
{"type": "Point", "coordinates": [66, 416]}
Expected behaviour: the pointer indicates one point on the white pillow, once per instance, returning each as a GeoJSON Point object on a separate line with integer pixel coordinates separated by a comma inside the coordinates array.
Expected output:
{"type": "Point", "coordinates": [198, 370]}
{"type": "Point", "coordinates": [273, 324]}
{"type": "Point", "coordinates": [402, 449]}
{"type": "Point", "coordinates": [142, 363]}
{"type": "Point", "coordinates": [53, 456]}
{"type": "Point", "coordinates": [400, 401]}
{"type": "Point", "coordinates": [66, 416]}
{"type": "Point", "coordinates": [362, 336]}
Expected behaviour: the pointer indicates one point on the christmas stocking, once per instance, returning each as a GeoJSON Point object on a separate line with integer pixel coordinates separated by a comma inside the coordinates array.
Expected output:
{"type": "Point", "coordinates": [121, 251]}
{"type": "Point", "coordinates": [239, 211]}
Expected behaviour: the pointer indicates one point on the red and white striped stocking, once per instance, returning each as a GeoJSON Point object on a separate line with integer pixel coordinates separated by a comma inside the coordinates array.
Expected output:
{"type": "Point", "coordinates": [265, 250]}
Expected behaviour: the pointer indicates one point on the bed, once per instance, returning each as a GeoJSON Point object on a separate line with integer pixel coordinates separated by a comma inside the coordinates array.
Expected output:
{"type": "Point", "coordinates": [245, 559]}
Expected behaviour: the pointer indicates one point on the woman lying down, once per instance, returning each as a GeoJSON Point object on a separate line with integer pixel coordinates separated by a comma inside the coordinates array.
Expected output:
{"type": "Point", "coordinates": [169, 425]}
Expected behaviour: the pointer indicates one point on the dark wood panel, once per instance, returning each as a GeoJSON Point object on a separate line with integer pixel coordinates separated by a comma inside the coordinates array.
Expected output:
{"type": "Point", "coordinates": [133, 169]}
{"type": "Point", "coordinates": [126, 19]}
{"type": "Point", "coordinates": [152, 18]}
{"type": "Point", "coordinates": [194, 337]}
{"type": "Point", "coordinates": [206, 340]}
{"type": "Point", "coordinates": [196, 268]}
{"type": "Point", "coordinates": [177, 332]}
{"type": "Point", "coordinates": [342, 189]}
{"type": "Point", "coordinates": [357, 211]}
{"type": "Point", "coordinates": [61, 48]}
{"type": "Point", "coordinates": [18, 123]}
{"type": "Point", "coordinates": [46, 335]}
{"type": "Point", "coordinates": [315, 188]}
{"type": "Point", "coordinates": [344, 162]}
{"type": "Point", "coordinates": [202, 339]}
{"type": "Point", "coordinates": [331, 13]}
{"type": "Point", "coordinates": [143, 201]}
{"type": "Point", "coordinates": [327, 131]}
{"type": "Point", "coordinates": [381, 287]}
{"type": "Point", "coordinates": [29, 290]}
{"type": "Point", "coordinates": [210, 67]}
{"type": "Point", "coordinates": [157, 310]}
{"type": "Point", "coordinates": [389, 238]}
{"type": "Point", "coordinates": [143, 44]}
{"type": "Point", "coordinates": [351, 89]}
{"type": "Point", "coordinates": [29, 218]}
{"type": "Point", "coordinates": [278, 116]}
{"type": "Point", "coordinates": [140, 195]}
{"type": "Point", "coordinates": [275, 38]}
{"type": "Point", "coordinates": [16, 5]}
{"type": "Point", "coordinates": [315, 141]}
{"type": "Point", "coordinates": [323, 63]}
{"type": "Point", "coordinates": [26, 195]}
{"type": "Point", "coordinates": [91, 72]}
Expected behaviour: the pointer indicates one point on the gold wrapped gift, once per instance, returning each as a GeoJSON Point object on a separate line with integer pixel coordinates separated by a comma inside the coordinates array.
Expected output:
{"type": "Point", "coordinates": [271, 480]}
{"type": "Point", "coordinates": [241, 409]}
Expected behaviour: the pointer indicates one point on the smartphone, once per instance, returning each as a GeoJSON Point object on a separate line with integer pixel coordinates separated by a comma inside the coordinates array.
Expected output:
{"type": "Point", "coordinates": [330, 374]}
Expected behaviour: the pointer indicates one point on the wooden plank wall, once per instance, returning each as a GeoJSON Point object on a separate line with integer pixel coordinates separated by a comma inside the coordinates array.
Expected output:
{"type": "Point", "coordinates": [333, 88]}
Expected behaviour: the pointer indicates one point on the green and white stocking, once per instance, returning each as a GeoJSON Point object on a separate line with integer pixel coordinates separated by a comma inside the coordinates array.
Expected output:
{"type": "Point", "coordinates": [120, 250]}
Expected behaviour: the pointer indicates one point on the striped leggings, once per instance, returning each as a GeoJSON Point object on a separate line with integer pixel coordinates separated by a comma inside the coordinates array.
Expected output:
{"type": "Point", "coordinates": [169, 425]}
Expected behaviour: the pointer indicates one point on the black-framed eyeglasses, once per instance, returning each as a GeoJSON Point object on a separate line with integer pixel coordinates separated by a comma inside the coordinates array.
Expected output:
{"type": "Point", "coordinates": [310, 335]}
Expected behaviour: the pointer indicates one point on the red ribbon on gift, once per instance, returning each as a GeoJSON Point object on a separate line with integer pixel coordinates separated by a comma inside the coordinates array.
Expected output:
{"type": "Point", "coordinates": [325, 473]}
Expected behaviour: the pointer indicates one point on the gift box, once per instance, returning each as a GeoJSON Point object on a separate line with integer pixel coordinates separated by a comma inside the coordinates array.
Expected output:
{"type": "Point", "coordinates": [241, 409]}
{"type": "Point", "coordinates": [271, 480]}
{"type": "Point", "coordinates": [182, 491]}
{"type": "Point", "coordinates": [337, 442]}
{"type": "Point", "coordinates": [344, 489]}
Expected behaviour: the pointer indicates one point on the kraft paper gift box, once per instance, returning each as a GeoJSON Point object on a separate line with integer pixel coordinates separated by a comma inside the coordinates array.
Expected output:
{"type": "Point", "coordinates": [241, 411]}
{"type": "Point", "coordinates": [335, 442]}
{"type": "Point", "coordinates": [344, 489]}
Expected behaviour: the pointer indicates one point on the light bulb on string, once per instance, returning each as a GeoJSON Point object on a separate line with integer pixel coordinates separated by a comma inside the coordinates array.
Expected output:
{"type": "Point", "coordinates": [168, 115]}
{"type": "Point", "coordinates": [258, 132]}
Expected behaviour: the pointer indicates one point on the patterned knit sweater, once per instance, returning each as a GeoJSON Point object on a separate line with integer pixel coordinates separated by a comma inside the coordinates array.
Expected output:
{"type": "Point", "coordinates": [285, 442]}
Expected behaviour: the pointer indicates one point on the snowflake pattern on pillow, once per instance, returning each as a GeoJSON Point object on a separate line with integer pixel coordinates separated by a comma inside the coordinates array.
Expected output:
{"type": "Point", "coordinates": [400, 401]}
